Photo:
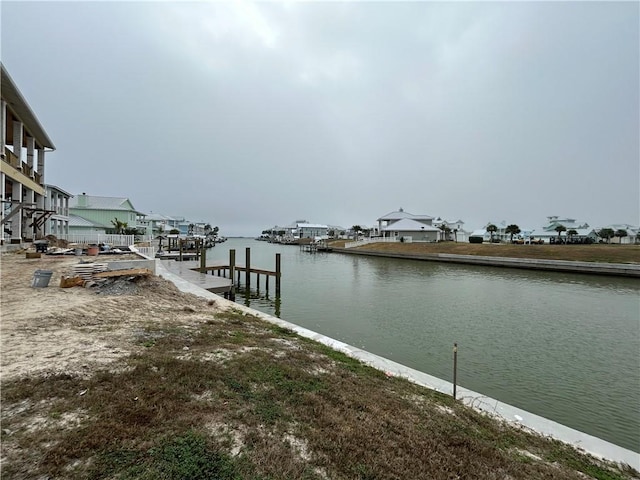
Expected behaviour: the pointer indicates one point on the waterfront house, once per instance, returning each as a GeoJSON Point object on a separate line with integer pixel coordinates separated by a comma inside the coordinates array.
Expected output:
{"type": "Point", "coordinates": [456, 230]}
{"type": "Point", "coordinates": [23, 144]}
{"type": "Point", "coordinates": [548, 233]}
{"type": "Point", "coordinates": [632, 233]}
{"type": "Point", "coordinates": [103, 212]}
{"type": "Point", "coordinates": [160, 224]}
{"type": "Point", "coordinates": [315, 231]}
{"type": "Point", "coordinates": [403, 225]}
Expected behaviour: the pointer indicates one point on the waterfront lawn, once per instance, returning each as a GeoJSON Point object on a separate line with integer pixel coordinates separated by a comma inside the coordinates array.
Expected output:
{"type": "Point", "coordinates": [235, 397]}
{"type": "Point", "coordinates": [583, 253]}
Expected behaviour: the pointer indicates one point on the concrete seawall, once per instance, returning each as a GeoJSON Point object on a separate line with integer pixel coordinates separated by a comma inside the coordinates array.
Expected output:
{"type": "Point", "coordinates": [512, 415]}
{"type": "Point", "coordinates": [614, 269]}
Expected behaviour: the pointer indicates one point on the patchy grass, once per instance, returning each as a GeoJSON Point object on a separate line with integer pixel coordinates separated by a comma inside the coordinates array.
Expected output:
{"type": "Point", "coordinates": [584, 253]}
{"type": "Point", "coordinates": [236, 398]}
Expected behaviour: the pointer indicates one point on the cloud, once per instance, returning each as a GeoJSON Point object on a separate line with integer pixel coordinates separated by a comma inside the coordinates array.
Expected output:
{"type": "Point", "coordinates": [249, 114]}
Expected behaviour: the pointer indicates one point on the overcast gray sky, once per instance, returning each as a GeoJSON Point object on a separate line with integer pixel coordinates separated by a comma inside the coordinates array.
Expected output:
{"type": "Point", "coordinates": [247, 115]}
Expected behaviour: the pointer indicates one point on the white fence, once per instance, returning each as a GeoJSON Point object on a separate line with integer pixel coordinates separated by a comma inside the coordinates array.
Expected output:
{"type": "Point", "coordinates": [120, 240]}
{"type": "Point", "coordinates": [366, 241]}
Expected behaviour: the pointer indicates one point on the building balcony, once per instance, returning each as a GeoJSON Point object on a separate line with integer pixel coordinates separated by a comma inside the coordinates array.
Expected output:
{"type": "Point", "coordinates": [22, 172]}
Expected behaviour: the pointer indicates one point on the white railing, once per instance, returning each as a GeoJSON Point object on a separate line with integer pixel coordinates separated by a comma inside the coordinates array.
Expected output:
{"type": "Point", "coordinates": [87, 238]}
{"type": "Point", "coordinates": [366, 241]}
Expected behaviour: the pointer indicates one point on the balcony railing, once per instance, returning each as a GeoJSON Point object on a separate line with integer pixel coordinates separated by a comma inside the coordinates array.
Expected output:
{"type": "Point", "coordinates": [23, 167]}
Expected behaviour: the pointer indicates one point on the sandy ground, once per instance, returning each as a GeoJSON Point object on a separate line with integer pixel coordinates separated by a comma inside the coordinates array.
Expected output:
{"type": "Point", "coordinates": [77, 330]}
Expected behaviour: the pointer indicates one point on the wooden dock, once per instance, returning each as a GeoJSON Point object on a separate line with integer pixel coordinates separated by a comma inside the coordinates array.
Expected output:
{"type": "Point", "coordinates": [196, 272]}
{"type": "Point", "coordinates": [177, 256]}
{"type": "Point", "coordinates": [188, 271]}
{"type": "Point", "coordinates": [315, 247]}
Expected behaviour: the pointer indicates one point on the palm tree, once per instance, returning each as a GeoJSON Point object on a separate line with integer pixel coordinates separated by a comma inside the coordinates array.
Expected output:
{"type": "Point", "coordinates": [491, 228]}
{"type": "Point", "coordinates": [207, 229]}
{"type": "Point", "coordinates": [606, 233]}
{"type": "Point", "coordinates": [571, 233]}
{"type": "Point", "coordinates": [444, 228]}
{"type": "Point", "coordinates": [621, 233]}
{"type": "Point", "coordinates": [118, 225]}
{"type": "Point", "coordinates": [191, 227]}
{"type": "Point", "coordinates": [512, 229]}
{"type": "Point", "coordinates": [560, 229]}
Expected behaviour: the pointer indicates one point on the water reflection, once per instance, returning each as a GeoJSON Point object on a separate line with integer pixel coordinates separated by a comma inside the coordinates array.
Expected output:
{"type": "Point", "coordinates": [564, 346]}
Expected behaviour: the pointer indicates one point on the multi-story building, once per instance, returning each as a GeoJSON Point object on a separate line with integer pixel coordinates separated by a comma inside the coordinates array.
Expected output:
{"type": "Point", "coordinates": [23, 144]}
{"type": "Point", "coordinates": [57, 202]}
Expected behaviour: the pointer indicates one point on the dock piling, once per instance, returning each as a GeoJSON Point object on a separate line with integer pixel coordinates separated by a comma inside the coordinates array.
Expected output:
{"type": "Point", "coordinates": [203, 260]}
{"type": "Point", "coordinates": [247, 277]}
{"type": "Point", "coordinates": [455, 368]}
{"type": "Point", "coordinates": [278, 274]}
{"type": "Point", "coordinates": [232, 267]}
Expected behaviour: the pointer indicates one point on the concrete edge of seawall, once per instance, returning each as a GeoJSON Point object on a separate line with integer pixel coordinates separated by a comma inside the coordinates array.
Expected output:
{"type": "Point", "coordinates": [512, 415]}
{"type": "Point", "coordinates": [569, 266]}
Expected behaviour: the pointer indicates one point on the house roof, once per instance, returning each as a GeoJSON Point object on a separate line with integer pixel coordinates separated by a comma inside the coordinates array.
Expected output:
{"type": "Point", "coordinates": [158, 217]}
{"type": "Point", "coordinates": [632, 230]}
{"type": "Point", "coordinates": [48, 186]}
{"type": "Point", "coordinates": [93, 202]}
{"type": "Point", "coordinates": [400, 214]}
{"type": "Point", "coordinates": [569, 223]}
{"type": "Point", "coordinates": [18, 105]}
{"type": "Point", "coordinates": [78, 221]}
{"type": "Point", "coordinates": [409, 225]}
{"type": "Point", "coordinates": [311, 225]}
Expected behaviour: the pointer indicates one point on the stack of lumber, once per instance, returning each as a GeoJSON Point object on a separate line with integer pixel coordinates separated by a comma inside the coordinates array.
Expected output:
{"type": "Point", "coordinates": [87, 270]}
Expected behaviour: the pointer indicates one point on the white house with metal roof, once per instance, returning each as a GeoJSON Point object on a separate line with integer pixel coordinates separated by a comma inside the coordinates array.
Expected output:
{"type": "Point", "coordinates": [548, 233]}
{"type": "Point", "coordinates": [404, 225]}
{"type": "Point", "coordinates": [632, 233]}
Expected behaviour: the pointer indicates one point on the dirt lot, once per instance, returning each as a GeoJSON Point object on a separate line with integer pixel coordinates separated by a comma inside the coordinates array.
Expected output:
{"type": "Point", "coordinates": [74, 330]}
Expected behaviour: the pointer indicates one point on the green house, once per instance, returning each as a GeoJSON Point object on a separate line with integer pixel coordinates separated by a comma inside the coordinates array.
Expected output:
{"type": "Point", "coordinates": [103, 212]}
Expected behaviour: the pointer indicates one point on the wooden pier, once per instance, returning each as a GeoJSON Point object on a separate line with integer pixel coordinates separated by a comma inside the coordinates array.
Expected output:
{"type": "Point", "coordinates": [181, 249]}
{"type": "Point", "coordinates": [230, 270]}
{"type": "Point", "coordinates": [188, 270]}
{"type": "Point", "coordinates": [315, 247]}
{"type": "Point", "coordinates": [222, 274]}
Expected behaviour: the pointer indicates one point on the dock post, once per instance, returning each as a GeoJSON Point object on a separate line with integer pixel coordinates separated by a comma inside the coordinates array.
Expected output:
{"type": "Point", "coordinates": [180, 244]}
{"type": "Point", "coordinates": [267, 283]}
{"type": "Point", "coordinates": [247, 265]}
{"type": "Point", "coordinates": [455, 368]}
{"type": "Point", "coordinates": [278, 273]}
{"type": "Point", "coordinates": [232, 267]}
{"type": "Point", "coordinates": [203, 260]}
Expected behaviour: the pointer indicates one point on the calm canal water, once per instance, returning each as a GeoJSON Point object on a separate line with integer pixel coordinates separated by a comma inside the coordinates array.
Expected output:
{"type": "Point", "coordinates": [563, 346]}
